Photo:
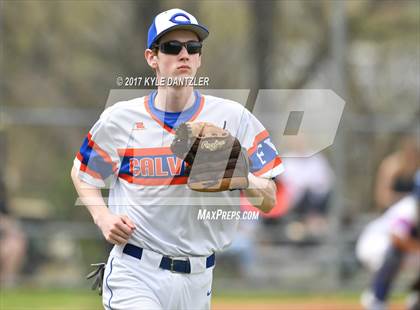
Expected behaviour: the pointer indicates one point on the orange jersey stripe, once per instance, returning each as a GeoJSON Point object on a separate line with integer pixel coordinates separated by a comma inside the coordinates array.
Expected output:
{"type": "Point", "coordinates": [198, 110]}
{"type": "Point", "coordinates": [101, 152]}
{"type": "Point", "coordinates": [154, 182]}
{"type": "Point", "coordinates": [146, 105]}
{"type": "Point", "coordinates": [167, 128]}
{"type": "Point", "coordinates": [154, 151]}
{"type": "Point", "coordinates": [258, 138]}
{"type": "Point", "coordinates": [271, 165]}
{"type": "Point", "coordinates": [92, 173]}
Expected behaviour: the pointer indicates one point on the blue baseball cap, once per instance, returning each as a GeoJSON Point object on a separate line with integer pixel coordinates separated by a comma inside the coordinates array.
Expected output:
{"type": "Point", "coordinates": [171, 20]}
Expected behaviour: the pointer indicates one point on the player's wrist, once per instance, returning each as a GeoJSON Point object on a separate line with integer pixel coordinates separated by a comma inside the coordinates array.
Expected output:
{"type": "Point", "coordinates": [99, 215]}
{"type": "Point", "coordinates": [257, 182]}
{"type": "Point", "coordinates": [251, 180]}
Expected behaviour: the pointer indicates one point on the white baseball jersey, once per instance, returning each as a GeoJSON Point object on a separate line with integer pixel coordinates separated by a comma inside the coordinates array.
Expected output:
{"type": "Point", "coordinates": [128, 149]}
{"type": "Point", "coordinates": [398, 220]}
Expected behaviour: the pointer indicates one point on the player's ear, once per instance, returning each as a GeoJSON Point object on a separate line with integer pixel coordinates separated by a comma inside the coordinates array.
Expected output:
{"type": "Point", "coordinates": [151, 58]}
{"type": "Point", "coordinates": [199, 55]}
{"type": "Point", "coordinates": [199, 61]}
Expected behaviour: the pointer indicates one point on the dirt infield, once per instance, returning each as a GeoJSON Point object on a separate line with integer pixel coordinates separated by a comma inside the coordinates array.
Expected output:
{"type": "Point", "coordinates": [326, 305]}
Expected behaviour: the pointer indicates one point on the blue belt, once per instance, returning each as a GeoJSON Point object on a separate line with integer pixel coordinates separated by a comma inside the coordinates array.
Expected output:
{"type": "Point", "coordinates": [167, 263]}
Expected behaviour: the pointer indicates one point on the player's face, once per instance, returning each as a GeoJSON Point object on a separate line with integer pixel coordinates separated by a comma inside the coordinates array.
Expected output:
{"type": "Point", "coordinates": [181, 65]}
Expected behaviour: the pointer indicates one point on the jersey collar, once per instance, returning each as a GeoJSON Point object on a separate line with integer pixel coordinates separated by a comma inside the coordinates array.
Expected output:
{"type": "Point", "coordinates": [188, 115]}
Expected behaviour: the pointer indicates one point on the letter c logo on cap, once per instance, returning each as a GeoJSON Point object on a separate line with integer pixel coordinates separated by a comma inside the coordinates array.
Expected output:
{"type": "Point", "coordinates": [180, 22]}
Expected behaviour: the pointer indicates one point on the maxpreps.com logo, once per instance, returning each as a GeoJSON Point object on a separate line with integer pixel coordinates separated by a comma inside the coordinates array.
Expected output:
{"type": "Point", "coordinates": [220, 214]}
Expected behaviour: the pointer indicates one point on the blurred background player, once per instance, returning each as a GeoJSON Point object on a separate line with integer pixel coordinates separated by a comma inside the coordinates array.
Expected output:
{"type": "Point", "coordinates": [387, 244]}
{"type": "Point", "coordinates": [306, 187]}
{"type": "Point", "coordinates": [12, 238]}
{"type": "Point", "coordinates": [12, 244]}
{"type": "Point", "coordinates": [396, 172]}
{"type": "Point", "coordinates": [308, 182]}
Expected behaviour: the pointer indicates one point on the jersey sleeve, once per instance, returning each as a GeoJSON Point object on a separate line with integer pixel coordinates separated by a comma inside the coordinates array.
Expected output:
{"type": "Point", "coordinates": [97, 161]}
{"type": "Point", "coordinates": [405, 220]}
{"type": "Point", "coordinates": [262, 153]}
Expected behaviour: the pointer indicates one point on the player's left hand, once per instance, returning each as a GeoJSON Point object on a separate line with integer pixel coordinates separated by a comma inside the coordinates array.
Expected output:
{"type": "Point", "coordinates": [217, 161]}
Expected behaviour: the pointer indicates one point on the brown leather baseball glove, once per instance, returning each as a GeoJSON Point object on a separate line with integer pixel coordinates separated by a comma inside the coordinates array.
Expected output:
{"type": "Point", "coordinates": [216, 160]}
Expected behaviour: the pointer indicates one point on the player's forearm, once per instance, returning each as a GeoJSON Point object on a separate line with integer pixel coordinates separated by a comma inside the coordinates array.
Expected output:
{"type": "Point", "coordinates": [406, 244]}
{"type": "Point", "coordinates": [90, 196]}
{"type": "Point", "coordinates": [264, 189]}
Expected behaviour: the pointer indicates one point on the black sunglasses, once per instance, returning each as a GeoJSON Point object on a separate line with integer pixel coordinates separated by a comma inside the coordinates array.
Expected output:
{"type": "Point", "coordinates": [174, 47]}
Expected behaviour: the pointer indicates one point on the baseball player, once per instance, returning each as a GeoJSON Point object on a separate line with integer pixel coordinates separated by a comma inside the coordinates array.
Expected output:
{"type": "Point", "coordinates": [387, 243]}
{"type": "Point", "coordinates": [164, 255]}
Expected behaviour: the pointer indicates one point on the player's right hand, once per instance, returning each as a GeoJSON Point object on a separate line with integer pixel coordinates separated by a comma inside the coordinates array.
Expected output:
{"type": "Point", "coordinates": [117, 229]}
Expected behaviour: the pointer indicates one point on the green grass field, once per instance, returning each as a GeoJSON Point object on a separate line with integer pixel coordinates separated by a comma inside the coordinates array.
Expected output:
{"type": "Point", "coordinates": [48, 299]}
{"type": "Point", "coordinates": [37, 299]}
